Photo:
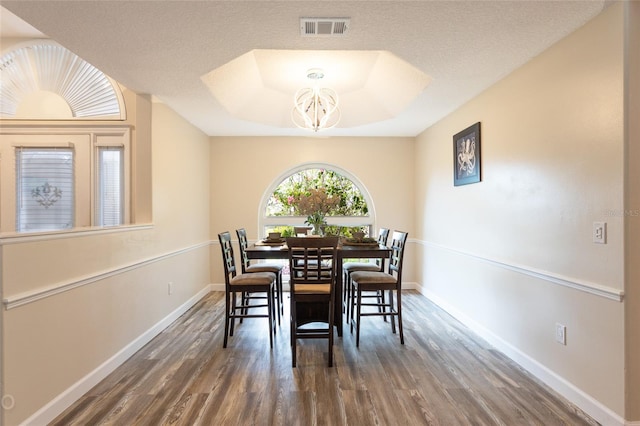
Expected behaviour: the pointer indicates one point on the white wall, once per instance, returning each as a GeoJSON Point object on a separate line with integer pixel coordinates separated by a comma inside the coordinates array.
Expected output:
{"type": "Point", "coordinates": [242, 169]}
{"type": "Point", "coordinates": [113, 284]}
{"type": "Point", "coordinates": [513, 255]}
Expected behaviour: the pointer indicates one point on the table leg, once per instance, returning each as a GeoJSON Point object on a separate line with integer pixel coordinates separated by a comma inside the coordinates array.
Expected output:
{"type": "Point", "coordinates": [337, 298]}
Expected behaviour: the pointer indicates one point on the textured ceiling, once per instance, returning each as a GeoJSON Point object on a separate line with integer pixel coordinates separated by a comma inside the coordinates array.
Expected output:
{"type": "Point", "coordinates": [164, 48]}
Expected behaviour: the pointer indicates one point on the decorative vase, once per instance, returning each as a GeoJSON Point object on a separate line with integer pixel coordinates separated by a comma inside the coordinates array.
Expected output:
{"type": "Point", "coordinates": [317, 229]}
{"type": "Point", "coordinates": [316, 220]}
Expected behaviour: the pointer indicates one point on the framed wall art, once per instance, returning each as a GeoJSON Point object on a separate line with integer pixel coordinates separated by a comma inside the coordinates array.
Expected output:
{"type": "Point", "coordinates": [466, 156]}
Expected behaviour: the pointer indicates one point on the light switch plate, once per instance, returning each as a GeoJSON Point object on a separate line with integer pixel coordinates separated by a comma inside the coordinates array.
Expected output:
{"type": "Point", "coordinates": [600, 232]}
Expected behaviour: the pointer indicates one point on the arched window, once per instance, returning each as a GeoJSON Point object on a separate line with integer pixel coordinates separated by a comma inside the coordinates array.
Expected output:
{"type": "Point", "coordinates": [42, 80]}
{"type": "Point", "coordinates": [66, 175]}
{"type": "Point", "coordinates": [351, 208]}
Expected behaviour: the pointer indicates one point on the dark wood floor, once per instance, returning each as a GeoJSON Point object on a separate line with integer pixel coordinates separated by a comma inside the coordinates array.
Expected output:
{"type": "Point", "coordinates": [443, 375]}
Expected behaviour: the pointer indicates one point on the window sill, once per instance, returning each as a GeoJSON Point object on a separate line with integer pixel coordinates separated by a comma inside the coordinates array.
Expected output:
{"type": "Point", "coordinates": [23, 237]}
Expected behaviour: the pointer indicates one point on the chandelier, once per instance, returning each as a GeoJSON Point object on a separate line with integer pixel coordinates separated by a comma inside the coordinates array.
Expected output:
{"type": "Point", "coordinates": [315, 108]}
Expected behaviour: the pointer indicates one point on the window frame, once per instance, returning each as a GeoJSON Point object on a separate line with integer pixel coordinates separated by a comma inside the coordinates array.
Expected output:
{"type": "Point", "coordinates": [85, 141]}
{"type": "Point", "coordinates": [109, 140]}
{"type": "Point", "coordinates": [265, 222]}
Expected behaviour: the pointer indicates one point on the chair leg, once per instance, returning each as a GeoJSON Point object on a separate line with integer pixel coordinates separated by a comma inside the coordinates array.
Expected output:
{"type": "Point", "coordinates": [348, 290]}
{"type": "Point", "coordinates": [276, 310]}
{"type": "Point", "coordinates": [294, 337]}
{"type": "Point", "coordinates": [345, 293]}
{"type": "Point", "coordinates": [280, 297]}
{"type": "Point", "coordinates": [227, 319]}
{"type": "Point", "coordinates": [244, 300]}
{"type": "Point", "coordinates": [270, 307]}
{"type": "Point", "coordinates": [353, 309]}
{"type": "Point", "coordinates": [331, 308]}
{"type": "Point", "coordinates": [232, 320]}
{"type": "Point", "coordinates": [359, 308]}
{"type": "Point", "coordinates": [381, 301]}
{"type": "Point", "coordinates": [399, 310]}
{"type": "Point", "coordinates": [393, 317]}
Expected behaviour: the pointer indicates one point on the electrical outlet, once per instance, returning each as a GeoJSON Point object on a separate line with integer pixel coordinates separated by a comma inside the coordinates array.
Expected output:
{"type": "Point", "coordinates": [600, 232]}
{"type": "Point", "coordinates": [170, 288]}
{"type": "Point", "coordinates": [561, 334]}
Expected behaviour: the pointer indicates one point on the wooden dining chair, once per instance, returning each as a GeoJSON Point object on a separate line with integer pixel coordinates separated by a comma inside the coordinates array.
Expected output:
{"type": "Point", "coordinates": [390, 281]}
{"type": "Point", "coordinates": [312, 263]}
{"type": "Point", "coordinates": [349, 267]}
{"type": "Point", "coordinates": [239, 285]}
{"type": "Point", "coordinates": [301, 230]}
{"type": "Point", "coordinates": [248, 267]}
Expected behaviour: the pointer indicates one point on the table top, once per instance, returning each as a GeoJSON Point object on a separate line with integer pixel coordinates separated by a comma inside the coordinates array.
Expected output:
{"type": "Point", "coordinates": [271, 251]}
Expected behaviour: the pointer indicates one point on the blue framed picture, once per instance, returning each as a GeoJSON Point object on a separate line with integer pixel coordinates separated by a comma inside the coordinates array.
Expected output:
{"type": "Point", "coordinates": [466, 156]}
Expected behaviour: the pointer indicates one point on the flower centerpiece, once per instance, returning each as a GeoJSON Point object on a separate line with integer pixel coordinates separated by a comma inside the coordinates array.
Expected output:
{"type": "Point", "coordinates": [316, 203]}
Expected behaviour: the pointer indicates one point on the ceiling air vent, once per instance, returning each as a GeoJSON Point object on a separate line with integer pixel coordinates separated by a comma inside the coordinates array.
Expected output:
{"type": "Point", "coordinates": [324, 27]}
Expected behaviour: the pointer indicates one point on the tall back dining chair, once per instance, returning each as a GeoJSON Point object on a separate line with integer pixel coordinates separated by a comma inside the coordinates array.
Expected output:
{"type": "Point", "coordinates": [238, 285]}
{"type": "Point", "coordinates": [248, 267]}
{"type": "Point", "coordinates": [349, 267]}
{"type": "Point", "coordinates": [312, 263]}
{"type": "Point", "coordinates": [301, 230]}
{"type": "Point", "coordinates": [389, 281]}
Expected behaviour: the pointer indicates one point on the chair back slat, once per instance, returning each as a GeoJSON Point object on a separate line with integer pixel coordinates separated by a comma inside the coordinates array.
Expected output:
{"type": "Point", "coordinates": [398, 241]}
{"type": "Point", "coordinates": [227, 256]}
{"type": "Point", "coordinates": [301, 230]}
{"type": "Point", "coordinates": [243, 244]}
{"type": "Point", "coordinates": [383, 237]}
{"type": "Point", "coordinates": [312, 260]}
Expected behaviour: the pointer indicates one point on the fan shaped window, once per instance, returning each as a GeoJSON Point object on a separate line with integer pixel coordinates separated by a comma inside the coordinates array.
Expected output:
{"type": "Point", "coordinates": [45, 81]}
{"type": "Point", "coordinates": [318, 197]}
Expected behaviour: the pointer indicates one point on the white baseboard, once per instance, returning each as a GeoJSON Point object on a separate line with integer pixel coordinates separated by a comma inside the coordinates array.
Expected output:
{"type": "Point", "coordinates": [63, 401]}
{"type": "Point", "coordinates": [587, 403]}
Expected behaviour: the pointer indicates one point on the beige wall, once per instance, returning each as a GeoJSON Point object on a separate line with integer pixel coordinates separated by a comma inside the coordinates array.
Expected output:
{"type": "Point", "coordinates": [552, 153]}
{"type": "Point", "coordinates": [242, 169]}
{"type": "Point", "coordinates": [632, 218]}
{"type": "Point", "coordinates": [120, 278]}
{"type": "Point", "coordinates": [505, 253]}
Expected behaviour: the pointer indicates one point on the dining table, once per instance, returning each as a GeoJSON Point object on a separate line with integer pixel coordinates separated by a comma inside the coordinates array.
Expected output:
{"type": "Point", "coordinates": [268, 250]}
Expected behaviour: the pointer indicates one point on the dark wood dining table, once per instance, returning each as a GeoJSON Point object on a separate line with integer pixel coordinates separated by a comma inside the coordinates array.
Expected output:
{"type": "Point", "coordinates": [362, 251]}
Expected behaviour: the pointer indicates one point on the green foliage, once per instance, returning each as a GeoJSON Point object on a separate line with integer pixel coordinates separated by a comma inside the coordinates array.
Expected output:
{"type": "Point", "coordinates": [343, 231]}
{"type": "Point", "coordinates": [283, 200]}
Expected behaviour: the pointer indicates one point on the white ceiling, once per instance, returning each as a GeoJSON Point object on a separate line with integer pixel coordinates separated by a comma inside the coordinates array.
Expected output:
{"type": "Point", "coordinates": [167, 48]}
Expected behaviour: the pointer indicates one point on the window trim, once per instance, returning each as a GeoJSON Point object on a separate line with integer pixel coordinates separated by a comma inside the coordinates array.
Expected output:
{"type": "Point", "coordinates": [84, 139]}
{"type": "Point", "coordinates": [100, 141]}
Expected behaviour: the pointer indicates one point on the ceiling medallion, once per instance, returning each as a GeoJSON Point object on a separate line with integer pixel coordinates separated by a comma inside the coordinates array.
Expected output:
{"type": "Point", "coordinates": [315, 108]}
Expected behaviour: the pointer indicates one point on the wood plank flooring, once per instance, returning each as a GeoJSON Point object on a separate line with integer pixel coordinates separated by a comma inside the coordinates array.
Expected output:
{"type": "Point", "coordinates": [443, 375]}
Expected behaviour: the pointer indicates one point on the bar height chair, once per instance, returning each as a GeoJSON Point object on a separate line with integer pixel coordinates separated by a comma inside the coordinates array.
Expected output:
{"type": "Point", "coordinates": [301, 230]}
{"type": "Point", "coordinates": [349, 267]}
{"type": "Point", "coordinates": [242, 285]}
{"type": "Point", "coordinates": [312, 263]}
{"type": "Point", "coordinates": [248, 267]}
{"type": "Point", "coordinates": [391, 281]}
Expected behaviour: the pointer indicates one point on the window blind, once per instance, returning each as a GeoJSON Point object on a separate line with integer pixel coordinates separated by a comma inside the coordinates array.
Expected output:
{"type": "Point", "coordinates": [110, 200]}
{"type": "Point", "coordinates": [45, 189]}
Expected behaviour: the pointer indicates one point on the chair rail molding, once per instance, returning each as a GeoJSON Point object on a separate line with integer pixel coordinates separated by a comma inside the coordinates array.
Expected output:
{"type": "Point", "coordinates": [596, 289]}
{"type": "Point", "coordinates": [21, 299]}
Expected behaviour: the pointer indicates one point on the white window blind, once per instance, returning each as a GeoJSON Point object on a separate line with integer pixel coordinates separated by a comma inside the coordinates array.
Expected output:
{"type": "Point", "coordinates": [44, 189]}
{"type": "Point", "coordinates": [110, 186]}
